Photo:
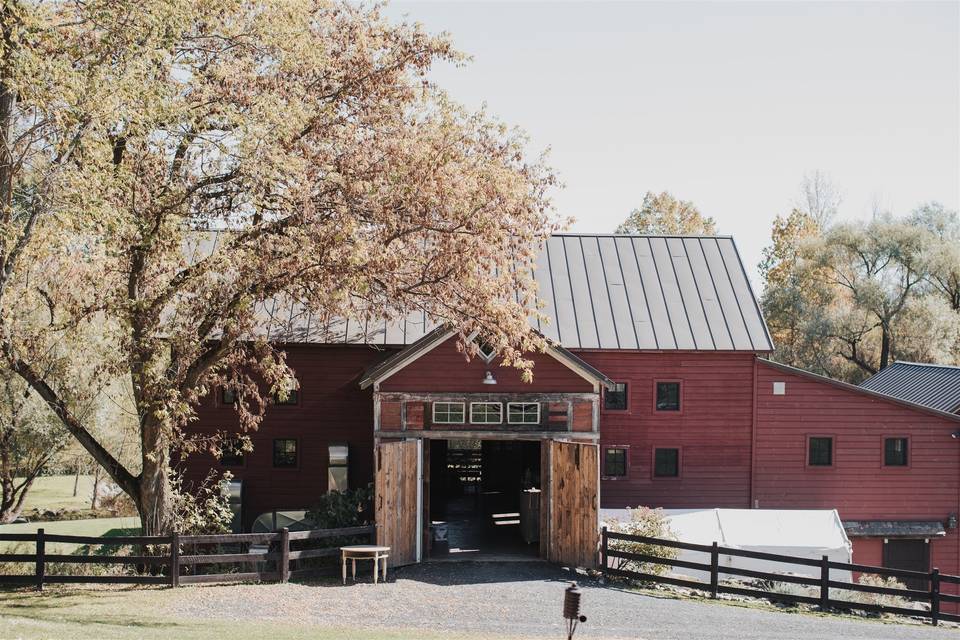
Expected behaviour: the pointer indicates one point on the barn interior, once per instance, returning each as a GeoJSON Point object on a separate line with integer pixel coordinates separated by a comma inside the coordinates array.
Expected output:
{"type": "Point", "coordinates": [484, 499]}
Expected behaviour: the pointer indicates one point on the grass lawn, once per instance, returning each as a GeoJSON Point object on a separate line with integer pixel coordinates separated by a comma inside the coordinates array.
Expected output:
{"type": "Point", "coordinates": [95, 527]}
{"type": "Point", "coordinates": [56, 492]}
{"type": "Point", "coordinates": [74, 613]}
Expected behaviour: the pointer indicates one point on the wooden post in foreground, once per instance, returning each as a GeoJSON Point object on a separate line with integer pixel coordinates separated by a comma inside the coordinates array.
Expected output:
{"type": "Point", "coordinates": [824, 583]}
{"type": "Point", "coordinates": [41, 561]}
{"type": "Point", "coordinates": [175, 560]}
{"type": "Point", "coordinates": [935, 596]}
{"type": "Point", "coordinates": [714, 571]}
{"type": "Point", "coordinates": [284, 554]}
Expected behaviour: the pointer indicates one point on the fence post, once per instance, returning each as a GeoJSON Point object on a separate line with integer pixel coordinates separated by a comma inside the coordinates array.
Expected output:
{"type": "Point", "coordinates": [824, 583]}
{"type": "Point", "coordinates": [175, 560]}
{"type": "Point", "coordinates": [935, 596]}
{"type": "Point", "coordinates": [284, 554]}
{"type": "Point", "coordinates": [603, 553]}
{"type": "Point", "coordinates": [714, 571]}
{"type": "Point", "coordinates": [41, 561]}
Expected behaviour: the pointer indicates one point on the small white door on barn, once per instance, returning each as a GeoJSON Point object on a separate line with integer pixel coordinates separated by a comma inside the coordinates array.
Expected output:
{"type": "Point", "coordinates": [398, 499]}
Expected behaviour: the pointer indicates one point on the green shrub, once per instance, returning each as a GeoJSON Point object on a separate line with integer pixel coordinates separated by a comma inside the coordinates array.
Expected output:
{"type": "Point", "coordinates": [204, 509]}
{"type": "Point", "coordinates": [651, 523]}
{"type": "Point", "coordinates": [339, 509]}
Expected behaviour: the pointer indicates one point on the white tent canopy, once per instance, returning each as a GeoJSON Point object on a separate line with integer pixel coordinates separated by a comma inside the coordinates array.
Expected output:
{"type": "Point", "coordinates": [804, 533]}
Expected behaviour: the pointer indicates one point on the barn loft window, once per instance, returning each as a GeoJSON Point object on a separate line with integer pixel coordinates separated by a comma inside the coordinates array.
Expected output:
{"type": "Point", "coordinates": [523, 412]}
{"type": "Point", "coordinates": [231, 453]}
{"type": "Point", "coordinates": [291, 394]}
{"type": "Point", "coordinates": [820, 451]}
{"type": "Point", "coordinates": [895, 452]}
{"type": "Point", "coordinates": [448, 413]}
{"type": "Point", "coordinates": [666, 463]}
{"type": "Point", "coordinates": [668, 396]}
{"type": "Point", "coordinates": [228, 397]}
{"type": "Point", "coordinates": [285, 453]}
{"type": "Point", "coordinates": [616, 399]}
{"type": "Point", "coordinates": [615, 462]}
{"type": "Point", "coordinates": [486, 413]}
{"type": "Point", "coordinates": [484, 350]}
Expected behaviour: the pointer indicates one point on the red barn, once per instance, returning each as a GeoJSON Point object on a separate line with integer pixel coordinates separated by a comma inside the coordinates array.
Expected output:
{"type": "Point", "coordinates": [656, 392]}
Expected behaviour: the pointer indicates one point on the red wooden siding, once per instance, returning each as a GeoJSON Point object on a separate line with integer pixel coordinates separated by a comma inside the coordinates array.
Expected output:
{"type": "Point", "coordinates": [444, 369]}
{"type": "Point", "coordinates": [713, 431]}
{"type": "Point", "coordinates": [332, 410]}
{"type": "Point", "coordinates": [857, 485]}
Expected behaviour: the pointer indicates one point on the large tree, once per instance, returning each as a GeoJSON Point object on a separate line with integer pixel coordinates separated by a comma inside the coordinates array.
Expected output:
{"type": "Point", "coordinates": [661, 213]}
{"type": "Point", "coordinates": [180, 164]}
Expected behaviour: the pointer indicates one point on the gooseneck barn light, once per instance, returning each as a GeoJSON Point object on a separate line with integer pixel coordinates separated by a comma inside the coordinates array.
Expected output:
{"type": "Point", "coordinates": [489, 379]}
{"type": "Point", "coordinates": [571, 608]}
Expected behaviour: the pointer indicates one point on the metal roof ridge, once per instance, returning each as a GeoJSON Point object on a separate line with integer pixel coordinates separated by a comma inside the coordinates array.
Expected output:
{"type": "Point", "coordinates": [608, 234]}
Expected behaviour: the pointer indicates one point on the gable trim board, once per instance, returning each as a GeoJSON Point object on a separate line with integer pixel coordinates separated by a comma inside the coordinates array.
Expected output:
{"type": "Point", "coordinates": [438, 336]}
{"type": "Point", "coordinates": [846, 386]}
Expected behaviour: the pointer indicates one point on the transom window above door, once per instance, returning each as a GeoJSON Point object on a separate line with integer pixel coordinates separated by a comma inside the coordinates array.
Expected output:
{"type": "Point", "coordinates": [486, 413]}
{"type": "Point", "coordinates": [523, 413]}
{"type": "Point", "coordinates": [448, 413]}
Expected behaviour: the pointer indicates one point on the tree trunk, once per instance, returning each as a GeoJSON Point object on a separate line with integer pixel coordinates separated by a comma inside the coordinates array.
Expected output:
{"type": "Point", "coordinates": [154, 499]}
{"type": "Point", "coordinates": [76, 479]}
{"type": "Point", "coordinates": [884, 348]}
{"type": "Point", "coordinates": [95, 494]}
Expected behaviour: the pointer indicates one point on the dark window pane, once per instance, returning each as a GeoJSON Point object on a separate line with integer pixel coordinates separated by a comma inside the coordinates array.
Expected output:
{"type": "Point", "coordinates": [895, 452]}
{"type": "Point", "coordinates": [231, 454]}
{"type": "Point", "coordinates": [285, 453]}
{"type": "Point", "coordinates": [615, 462]}
{"type": "Point", "coordinates": [616, 400]}
{"type": "Point", "coordinates": [821, 452]}
{"type": "Point", "coordinates": [229, 397]}
{"type": "Point", "coordinates": [668, 396]}
{"type": "Point", "coordinates": [666, 463]}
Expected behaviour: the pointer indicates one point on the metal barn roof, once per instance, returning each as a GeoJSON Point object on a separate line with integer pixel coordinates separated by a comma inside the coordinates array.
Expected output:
{"type": "Point", "coordinates": [931, 385]}
{"type": "Point", "coordinates": [600, 291]}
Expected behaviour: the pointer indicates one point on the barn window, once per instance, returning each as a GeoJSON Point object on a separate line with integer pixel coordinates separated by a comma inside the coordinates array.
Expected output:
{"type": "Point", "coordinates": [820, 451]}
{"type": "Point", "coordinates": [666, 463]}
{"type": "Point", "coordinates": [285, 453]}
{"type": "Point", "coordinates": [486, 413]}
{"type": "Point", "coordinates": [615, 462]}
{"type": "Point", "coordinates": [895, 452]}
{"type": "Point", "coordinates": [231, 453]}
{"type": "Point", "coordinates": [448, 412]}
{"type": "Point", "coordinates": [523, 412]}
{"type": "Point", "coordinates": [668, 396]}
{"type": "Point", "coordinates": [228, 397]}
{"type": "Point", "coordinates": [616, 399]}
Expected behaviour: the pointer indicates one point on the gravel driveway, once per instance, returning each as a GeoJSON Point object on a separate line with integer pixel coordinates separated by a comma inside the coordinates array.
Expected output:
{"type": "Point", "coordinates": [520, 600]}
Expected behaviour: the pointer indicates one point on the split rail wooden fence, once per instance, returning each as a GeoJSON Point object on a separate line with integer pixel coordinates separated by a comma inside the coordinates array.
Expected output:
{"type": "Point", "coordinates": [823, 585]}
{"type": "Point", "coordinates": [177, 559]}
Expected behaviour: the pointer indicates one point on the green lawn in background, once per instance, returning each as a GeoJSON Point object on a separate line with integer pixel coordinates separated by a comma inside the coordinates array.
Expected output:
{"type": "Point", "coordinates": [56, 492]}
{"type": "Point", "coordinates": [94, 527]}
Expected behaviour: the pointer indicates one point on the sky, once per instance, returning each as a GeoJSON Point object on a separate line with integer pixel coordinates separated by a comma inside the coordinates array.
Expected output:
{"type": "Point", "coordinates": [726, 104]}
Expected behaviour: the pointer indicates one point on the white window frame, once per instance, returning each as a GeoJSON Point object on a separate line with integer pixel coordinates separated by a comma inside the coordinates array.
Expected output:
{"type": "Point", "coordinates": [486, 357]}
{"type": "Point", "coordinates": [511, 404]}
{"type": "Point", "coordinates": [497, 404]}
{"type": "Point", "coordinates": [463, 411]}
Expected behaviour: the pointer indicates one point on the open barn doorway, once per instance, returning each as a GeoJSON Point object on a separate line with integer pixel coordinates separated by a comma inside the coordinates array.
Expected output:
{"type": "Point", "coordinates": [484, 499]}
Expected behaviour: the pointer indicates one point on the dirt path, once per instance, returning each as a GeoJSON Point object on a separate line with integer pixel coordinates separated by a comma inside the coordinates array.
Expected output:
{"type": "Point", "coordinates": [518, 600]}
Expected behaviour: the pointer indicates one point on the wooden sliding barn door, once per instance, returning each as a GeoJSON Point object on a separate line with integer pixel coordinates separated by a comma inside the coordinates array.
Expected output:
{"type": "Point", "coordinates": [573, 528]}
{"type": "Point", "coordinates": [397, 499]}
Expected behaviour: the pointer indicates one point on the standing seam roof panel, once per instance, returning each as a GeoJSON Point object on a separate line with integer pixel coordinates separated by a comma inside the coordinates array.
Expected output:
{"type": "Point", "coordinates": [727, 296]}
{"type": "Point", "coordinates": [636, 297]}
{"type": "Point", "coordinates": [545, 292]}
{"type": "Point", "coordinates": [671, 293]}
{"type": "Point", "coordinates": [659, 314]}
{"type": "Point", "coordinates": [564, 304]}
{"type": "Point", "coordinates": [691, 295]}
{"type": "Point", "coordinates": [598, 289]}
{"type": "Point", "coordinates": [709, 300]}
{"type": "Point", "coordinates": [623, 322]}
{"type": "Point", "coordinates": [748, 302]}
{"type": "Point", "coordinates": [580, 288]}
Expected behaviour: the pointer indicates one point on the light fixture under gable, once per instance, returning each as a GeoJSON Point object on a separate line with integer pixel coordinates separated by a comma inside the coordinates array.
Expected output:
{"type": "Point", "coordinates": [489, 379]}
